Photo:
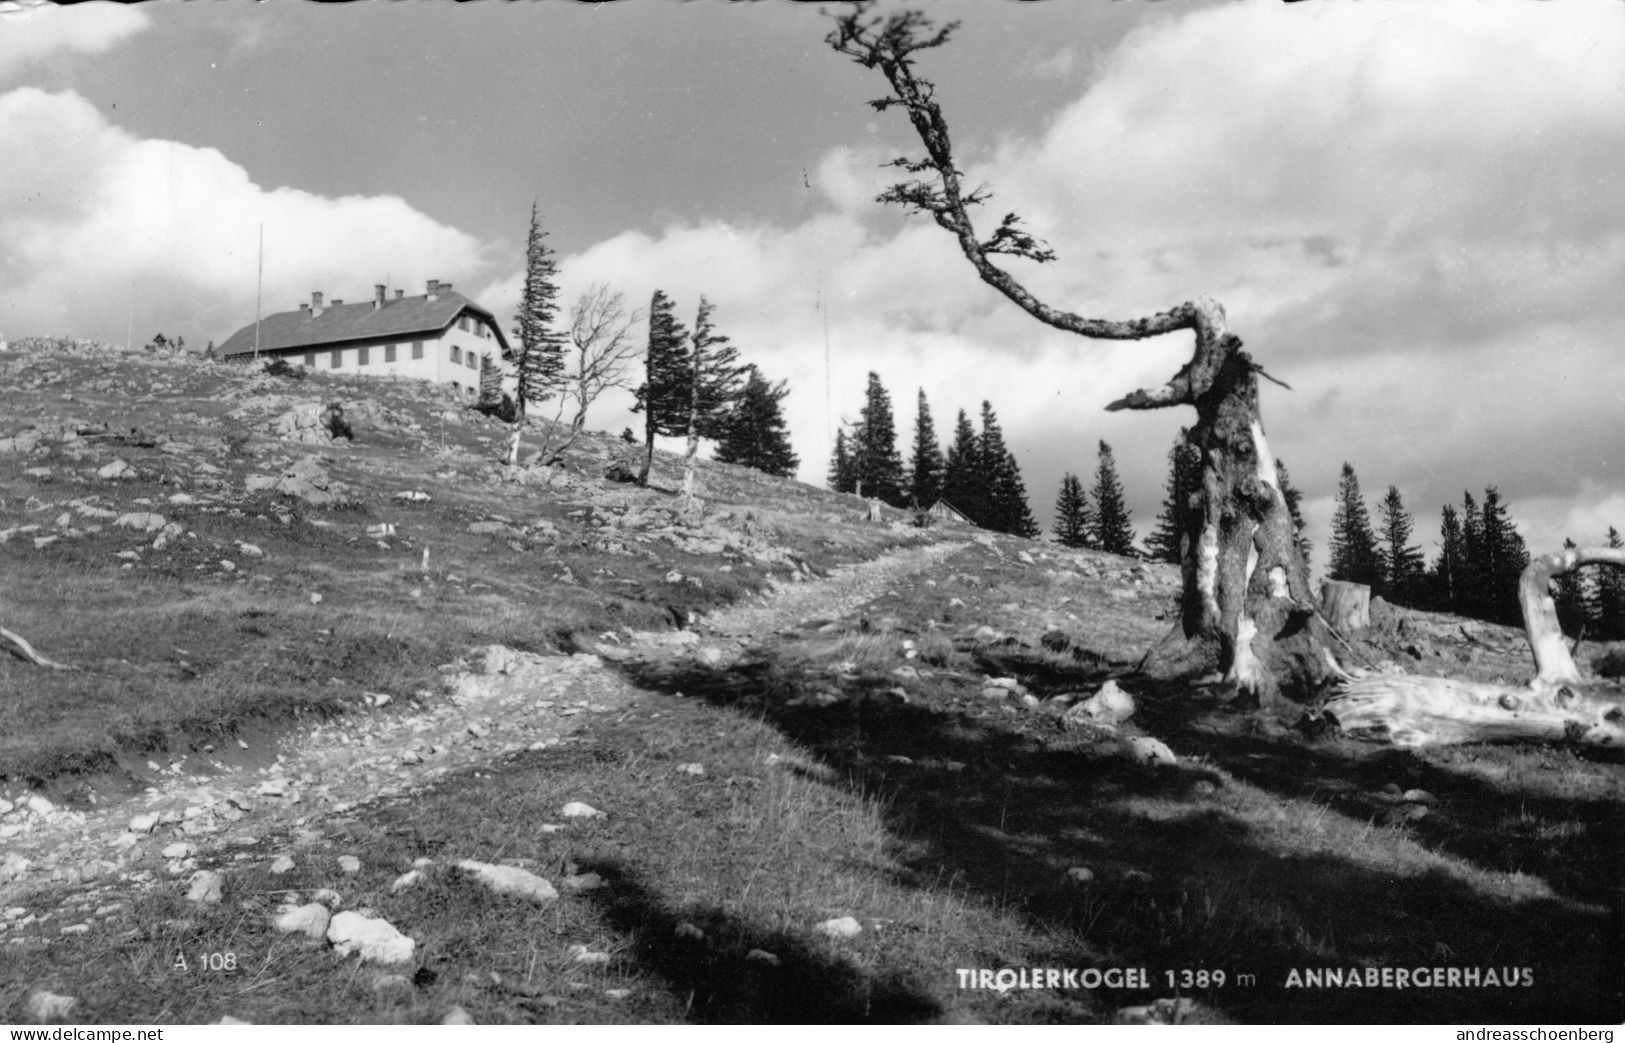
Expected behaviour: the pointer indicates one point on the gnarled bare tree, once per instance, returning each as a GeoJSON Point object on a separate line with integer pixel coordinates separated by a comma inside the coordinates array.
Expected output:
{"type": "Point", "coordinates": [600, 329]}
{"type": "Point", "coordinates": [1247, 608]}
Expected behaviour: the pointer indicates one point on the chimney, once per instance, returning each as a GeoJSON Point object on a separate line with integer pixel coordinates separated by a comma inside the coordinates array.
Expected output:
{"type": "Point", "coordinates": [399, 294]}
{"type": "Point", "coordinates": [304, 306]}
{"type": "Point", "coordinates": [445, 287]}
{"type": "Point", "coordinates": [316, 303]}
{"type": "Point", "coordinates": [377, 296]}
{"type": "Point", "coordinates": [336, 302]}
{"type": "Point", "coordinates": [434, 289]}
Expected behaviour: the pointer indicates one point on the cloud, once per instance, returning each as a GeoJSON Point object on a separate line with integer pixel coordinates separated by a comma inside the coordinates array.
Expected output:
{"type": "Point", "coordinates": [1414, 215]}
{"type": "Point", "coordinates": [97, 226]}
{"type": "Point", "coordinates": [29, 35]}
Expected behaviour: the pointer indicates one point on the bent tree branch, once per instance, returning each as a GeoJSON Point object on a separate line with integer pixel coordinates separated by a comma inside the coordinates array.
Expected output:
{"type": "Point", "coordinates": [1247, 607]}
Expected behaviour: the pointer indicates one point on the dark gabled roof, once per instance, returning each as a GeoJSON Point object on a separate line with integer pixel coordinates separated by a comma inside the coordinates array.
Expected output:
{"type": "Point", "coordinates": [401, 318]}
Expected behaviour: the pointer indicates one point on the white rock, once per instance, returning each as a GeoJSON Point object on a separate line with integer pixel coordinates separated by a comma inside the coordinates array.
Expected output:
{"type": "Point", "coordinates": [1110, 705]}
{"type": "Point", "coordinates": [282, 864]}
{"type": "Point", "coordinates": [327, 896]}
{"type": "Point", "coordinates": [310, 920]}
{"type": "Point", "coordinates": [457, 1016]}
{"type": "Point", "coordinates": [273, 788]}
{"type": "Point", "coordinates": [249, 550]}
{"type": "Point", "coordinates": [39, 805]}
{"type": "Point", "coordinates": [581, 954]}
{"type": "Point", "coordinates": [691, 769]}
{"type": "Point", "coordinates": [48, 1006]}
{"type": "Point", "coordinates": [1080, 875]}
{"type": "Point", "coordinates": [116, 469]}
{"type": "Point", "coordinates": [1146, 750]}
{"type": "Point", "coordinates": [840, 927]}
{"type": "Point", "coordinates": [144, 823]}
{"type": "Point", "coordinates": [6, 806]}
{"type": "Point", "coordinates": [404, 881]}
{"type": "Point", "coordinates": [12, 867]}
{"type": "Point", "coordinates": [582, 882]}
{"type": "Point", "coordinates": [510, 880]}
{"type": "Point", "coordinates": [375, 939]}
{"type": "Point", "coordinates": [227, 1019]}
{"type": "Point", "coordinates": [576, 809]}
{"type": "Point", "coordinates": [763, 957]}
{"type": "Point", "coordinates": [349, 864]}
{"type": "Point", "coordinates": [689, 931]}
{"type": "Point", "coordinates": [141, 521]}
{"type": "Point", "coordinates": [205, 887]}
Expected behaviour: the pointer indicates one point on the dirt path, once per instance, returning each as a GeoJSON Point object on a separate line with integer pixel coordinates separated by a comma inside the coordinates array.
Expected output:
{"type": "Point", "coordinates": [500, 702]}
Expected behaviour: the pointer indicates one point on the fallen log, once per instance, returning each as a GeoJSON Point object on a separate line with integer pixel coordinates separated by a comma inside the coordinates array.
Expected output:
{"type": "Point", "coordinates": [23, 650]}
{"type": "Point", "coordinates": [1421, 711]}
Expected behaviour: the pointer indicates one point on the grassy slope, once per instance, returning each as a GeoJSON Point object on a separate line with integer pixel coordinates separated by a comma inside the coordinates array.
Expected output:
{"type": "Point", "coordinates": [945, 823]}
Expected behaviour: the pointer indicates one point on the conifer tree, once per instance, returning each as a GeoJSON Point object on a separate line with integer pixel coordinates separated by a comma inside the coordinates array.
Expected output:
{"type": "Point", "coordinates": [962, 472]}
{"type": "Point", "coordinates": [1573, 599]}
{"type": "Point", "coordinates": [755, 434]}
{"type": "Point", "coordinates": [926, 465]}
{"type": "Point", "coordinates": [1471, 601]}
{"type": "Point", "coordinates": [1402, 562]}
{"type": "Point", "coordinates": [1166, 542]}
{"type": "Point", "coordinates": [1072, 514]}
{"type": "Point", "coordinates": [992, 458]}
{"type": "Point", "coordinates": [1609, 599]}
{"type": "Point", "coordinates": [1010, 495]}
{"type": "Point", "coordinates": [539, 358]}
{"type": "Point", "coordinates": [1294, 508]}
{"type": "Point", "coordinates": [879, 468]}
{"type": "Point", "coordinates": [663, 397]}
{"type": "Point", "coordinates": [840, 478]}
{"type": "Point", "coordinates": [1448, 568]}
{"type": "Point", "coordinates": [1354, 554]}
{"type": "Point", "coordinates": [714, 373]}
{"type": "Point", "coordinates": [1113, 532]}
{"type": "Point", "coordinates": [1505, 558]}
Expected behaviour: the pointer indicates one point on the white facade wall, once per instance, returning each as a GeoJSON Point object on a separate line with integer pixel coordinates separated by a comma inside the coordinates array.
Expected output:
{"type": "Point", "coordinates": [453, 357]}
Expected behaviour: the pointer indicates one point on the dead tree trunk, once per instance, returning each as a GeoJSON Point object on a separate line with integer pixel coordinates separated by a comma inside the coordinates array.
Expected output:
{"type": "Point", "coordinates": [1421, 711]}
{"type": "Point", "coordinates": [1346, 606]}
{"type": "Point", "coordinates": [1247, 608]}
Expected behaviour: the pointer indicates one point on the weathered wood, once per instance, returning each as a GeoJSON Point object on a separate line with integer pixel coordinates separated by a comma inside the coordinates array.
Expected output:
{"type": "Point", "coordinates": [1425, 711]}
{"type": "Point", "coordinates": [23, 650]}
{"type": "Point", "coordinates": [1421, 711]}
{"type": "Point", "coordinates": [1346, 606]}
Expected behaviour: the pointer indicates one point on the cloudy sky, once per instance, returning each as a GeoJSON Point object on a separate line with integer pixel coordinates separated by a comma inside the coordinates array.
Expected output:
{"type": "Point", "coordinates": [1414, 214]}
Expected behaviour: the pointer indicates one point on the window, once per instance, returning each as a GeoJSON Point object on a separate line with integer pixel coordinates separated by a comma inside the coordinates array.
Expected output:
{"type": "Point", "coordinates": [338, 359]}
{"type": "Point", "coordinates": [389, 353]}
{"type": "Point", "coordinates": [310, 360]}
{"type": "Point", "coordinates": [473, 361]}
{"type": "Point", "coordinates": [361, 359]}
{"type": "Point", "coordinates": [417, 349]}
{"type": "Point", "coordinates": [456, 354]}
{"type": "Point", "coordinates": [462, 323]}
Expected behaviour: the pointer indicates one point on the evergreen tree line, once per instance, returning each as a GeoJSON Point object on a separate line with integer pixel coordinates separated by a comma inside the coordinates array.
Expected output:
{"type": "Point", "coordinates": [977, 475]}
{"type": "Point", "coordinates": [694, 385]}
{"type": "Point", "coordinates": [1481, 555]}
{"type": "Point", "coordinates": [1098, 520]}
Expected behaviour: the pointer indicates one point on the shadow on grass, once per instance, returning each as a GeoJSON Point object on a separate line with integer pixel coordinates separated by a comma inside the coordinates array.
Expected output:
{"type": "Point", "coordinates": [1190, 874]}
{"type": "Point", "coordinates": [719, 981]}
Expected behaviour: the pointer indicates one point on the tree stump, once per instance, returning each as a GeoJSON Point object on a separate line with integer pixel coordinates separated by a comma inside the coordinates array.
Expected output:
{"type": "Point", "coordinates": [1346, 606]}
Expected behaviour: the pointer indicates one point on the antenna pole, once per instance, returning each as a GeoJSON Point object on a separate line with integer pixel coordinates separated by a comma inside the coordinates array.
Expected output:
{"type": "Point", "coordinates": [259, 293]}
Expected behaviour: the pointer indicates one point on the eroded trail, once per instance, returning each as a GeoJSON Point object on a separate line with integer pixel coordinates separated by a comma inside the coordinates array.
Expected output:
{"type": "Point", "coordinates": [494, 702]}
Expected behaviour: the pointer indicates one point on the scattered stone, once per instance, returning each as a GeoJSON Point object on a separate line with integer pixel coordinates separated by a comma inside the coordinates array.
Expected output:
{"type": "Point", "coordinates": [273, 788]}
{"type": "Point", "coordinates": [375, 939]}
{"type": "Point", "coordinates": [349, 865]}
{"type": "Point", "coordinates": [227, 1019]}
{"type": "Point", "coordinates": [617, 994]}
{"type": "Point", "coordinates": [458, 1016]}
{"type": "Point", "coordinates": [582, 955]}
{"type": "Point", "coordinates": [140, 521]}
{"type": "Point", "coordinates": [510, 880]}
{"type": "Point", "coordinates": [327, 896]}
{"type": "Point", "coordinates": [411, 757]}
{"type": "Point", "coordinates": [840, 927]}
{"type": "Point", "coordinates": [1146, 750]}
{"type": "Point", "coordinates": [1081, 875]}
{"type": "Point", "coordinates": [405, 880]}
{"type": "Point", "coordinates": [310, 920]}
{"type": "Point", "coordinates": [577, 809]}
{"type": "Point", "coordinates": [692, 769]}
{"type": "Point", "coordinates": [282, 864]}
{"type": "Point", "coordinates": [39, 805]}
{"type": "Point", "coordinates": [1169, 1011]}
{"type": "Point", "coordinates": [478, 730]}
{"type": "Point", "coordinates": [689, 932]}
{"type": "Point", "coordinates": [46, 1006]}
{"type": "Point", "coordinates": [762, 957]}
{"type": "Point", "coordinates": [582, 882]}
{"type": "Point", "coordinates": [1109, 706]}
{"type": "Point", "coordinates": [205, 887]}
{"type": "Point", "coordinates": [1418, 796]}
{"type": "Point", "coordinates": [117, 469]}
{"type": "Point", "coordinates": [13, 867]}
{"type": "Point", "coordinates": [249, 550]}
{"type": "Point", "coordinates": [78, 928]}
